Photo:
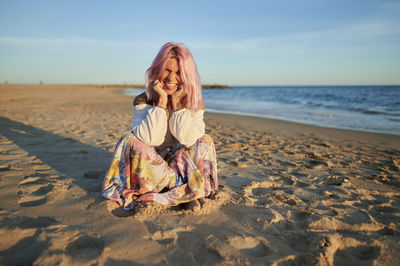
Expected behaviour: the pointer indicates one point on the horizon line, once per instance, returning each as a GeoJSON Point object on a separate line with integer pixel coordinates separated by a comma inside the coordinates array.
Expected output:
{"type": "Point", "coordinates": [208, 84]}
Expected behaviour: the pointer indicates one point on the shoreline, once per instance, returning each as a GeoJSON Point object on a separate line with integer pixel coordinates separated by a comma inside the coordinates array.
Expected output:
{"type": "Point", "coordinates": [313, 124]}
{"type": "Point", "coordinates": [305, 123]}
{"type": "Point", "coordinates": [292, 128]}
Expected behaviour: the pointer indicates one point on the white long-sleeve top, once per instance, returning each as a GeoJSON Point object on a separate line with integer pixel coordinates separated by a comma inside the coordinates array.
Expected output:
{"type": "Point", "coordinates": [150, 125]}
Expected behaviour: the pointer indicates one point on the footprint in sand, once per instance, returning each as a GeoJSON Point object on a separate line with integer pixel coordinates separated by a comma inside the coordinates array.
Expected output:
{"type": "Point", "coordinates": [42, 190]}
{"type": "Point", "coordinates": [386, 231]}
{"type": "Point", "coordinates": [285, 164]}
{"type": "Point", "coordinates": [85, 248]}
{"type": "Point", "coordinates": [27, 201]}
{"type": "Point", "coordinates": [289, 180]}
{"type": "Point", "coordinates": [385, 214]}
{"type": "Point", "coordinates": [257, 192]}
{"type": "Point", "coordinates": [250, 246]}
{"type": "Point", "coordinates": [264, 193]}
{"type": "Point", "coordinates": [359, 255]}
{"type": "Point", "coordinates": [93, 174]}
{"type": "Point", "coordinates": [25, 251]}
{"type": "Point", "coordinates": [33, 191]}
{"type": "Point", "coordinates": [169, 236]}
{"type": "Point", "coordinates": [316, 164]}
{"type": "Point", "coordinates": [193, 243]}
{"type": "Point", "coordinates": [336, 180]}
{"type": "Point", "coordinates": [301, 219]}
{"type": "Point", "coordinates": [93, 185]}
{"type": "Point", "coordinates": [38, 222]}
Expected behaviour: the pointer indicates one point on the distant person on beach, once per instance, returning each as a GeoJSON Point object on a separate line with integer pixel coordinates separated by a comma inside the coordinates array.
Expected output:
{"type": "Point", "coordinates": [166, 157]}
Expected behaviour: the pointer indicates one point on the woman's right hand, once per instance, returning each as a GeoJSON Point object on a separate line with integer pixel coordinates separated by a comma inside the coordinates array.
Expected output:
{"type": "Point", "coordinates": [163, 96]}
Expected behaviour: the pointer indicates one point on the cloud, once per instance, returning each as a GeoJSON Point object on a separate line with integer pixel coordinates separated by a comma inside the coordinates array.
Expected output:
{"type": "Point", "coordinates": [63, 43]}
{"type": "Point", "coordinates": [60, 41]}
{"type": "Point", "coordinates": [77, 45]}
{"type": "Point", "coordinates": [372, 29]}
{"type": "Point", "coordinates": [354, 33]}
{"type": "Point", "coordinates": [392, 7]}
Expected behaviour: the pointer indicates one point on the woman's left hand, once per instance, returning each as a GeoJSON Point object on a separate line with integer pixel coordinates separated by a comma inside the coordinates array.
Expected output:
{"type": "Point", "coordinates": [177, 97]}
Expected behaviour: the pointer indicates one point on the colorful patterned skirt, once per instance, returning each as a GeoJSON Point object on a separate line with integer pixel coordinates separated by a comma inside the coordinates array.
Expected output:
{"type": "Point", "coordinates": [138, 173]}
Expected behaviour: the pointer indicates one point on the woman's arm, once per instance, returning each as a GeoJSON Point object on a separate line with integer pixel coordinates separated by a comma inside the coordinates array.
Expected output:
{"type": "Point", "coordinates": [186, 127]}
{"type": "Point", "coordinates": [149, 123]}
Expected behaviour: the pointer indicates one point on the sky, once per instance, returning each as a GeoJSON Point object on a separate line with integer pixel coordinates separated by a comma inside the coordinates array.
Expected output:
{"type": "Point", "coordinates": [308, 42]}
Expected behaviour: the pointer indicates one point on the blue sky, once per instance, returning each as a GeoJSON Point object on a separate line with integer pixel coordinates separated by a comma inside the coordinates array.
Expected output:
{"type": "Point", "coordinates": [284, 42]}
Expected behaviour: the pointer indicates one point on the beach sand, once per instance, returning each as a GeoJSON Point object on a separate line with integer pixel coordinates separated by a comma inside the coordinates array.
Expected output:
{"type": "Point", "coordinates": [289, 194]}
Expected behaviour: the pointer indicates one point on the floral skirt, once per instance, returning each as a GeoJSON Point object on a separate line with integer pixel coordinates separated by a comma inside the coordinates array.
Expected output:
{"type": "Point", "coordinates": [137, 173]}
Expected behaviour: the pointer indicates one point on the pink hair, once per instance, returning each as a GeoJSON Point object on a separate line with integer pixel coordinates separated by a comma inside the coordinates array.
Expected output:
{"type": "Point", "coordinates": [189, 74]}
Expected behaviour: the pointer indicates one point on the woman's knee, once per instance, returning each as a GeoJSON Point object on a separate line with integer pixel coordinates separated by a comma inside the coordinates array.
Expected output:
{"type": "Point", "coordinates": [204, 145]}
{"type": "Point", "coordinates": [206, 139]}
{"type": "Point", "coordinates": [134, 144]}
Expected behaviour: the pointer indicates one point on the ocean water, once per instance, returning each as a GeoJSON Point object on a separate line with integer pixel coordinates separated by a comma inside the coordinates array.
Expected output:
{"type": "Point", "coordinates": [364, 108]}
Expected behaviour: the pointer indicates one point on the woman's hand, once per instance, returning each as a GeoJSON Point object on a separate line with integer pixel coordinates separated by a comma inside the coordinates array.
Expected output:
{"type": "Point", "coordinates": [177, 97]}
{"type": "Point", "coordinates": [163, 96]}
{"type": "Point", "coordinates": [178, 94]}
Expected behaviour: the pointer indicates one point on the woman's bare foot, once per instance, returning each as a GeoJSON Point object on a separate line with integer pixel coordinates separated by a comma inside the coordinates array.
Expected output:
{"type": "Point", "coordinates": [202, 201]}
{"type": "Point", "coordinates": [212, 195]}
{"type": "Point", "coordinates": [193, 205]}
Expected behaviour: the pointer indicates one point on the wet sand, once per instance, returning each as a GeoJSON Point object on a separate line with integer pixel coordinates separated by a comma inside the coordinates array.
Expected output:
{"type": "Point", "coordinates": [289, 194]}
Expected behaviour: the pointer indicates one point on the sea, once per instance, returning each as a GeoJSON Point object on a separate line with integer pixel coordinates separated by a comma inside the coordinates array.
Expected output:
{"type": "Point", "coordinates": [362, 108]}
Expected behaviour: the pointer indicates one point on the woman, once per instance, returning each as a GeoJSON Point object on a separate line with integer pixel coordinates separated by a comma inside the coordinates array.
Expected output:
{"type": "Point", "coordinates": [166, 157]}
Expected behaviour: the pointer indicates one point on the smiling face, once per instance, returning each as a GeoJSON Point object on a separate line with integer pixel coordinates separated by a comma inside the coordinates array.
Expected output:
{"type": "Point", "coordinates": [171, 76]}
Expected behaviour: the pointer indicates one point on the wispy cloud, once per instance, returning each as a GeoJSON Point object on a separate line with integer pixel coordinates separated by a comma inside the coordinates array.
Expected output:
{"type": "Point", "coordinates": [355, 33]}
{"type": "Point", "coordinates": [392, 7]}
{"type": "Point", "coordinates": [60, 41]}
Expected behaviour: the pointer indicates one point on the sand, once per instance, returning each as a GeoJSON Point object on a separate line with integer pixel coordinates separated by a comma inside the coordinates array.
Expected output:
{"type": "Point", "coordinates": [289, 194]}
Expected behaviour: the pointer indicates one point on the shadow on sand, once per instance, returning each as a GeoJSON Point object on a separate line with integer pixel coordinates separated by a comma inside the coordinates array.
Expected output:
{"type": "Point", "coordinates": [85, 163]}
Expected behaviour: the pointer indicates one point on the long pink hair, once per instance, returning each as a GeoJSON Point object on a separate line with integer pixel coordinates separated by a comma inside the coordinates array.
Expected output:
{"type": "Point", "coordinates": [189, 74]}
